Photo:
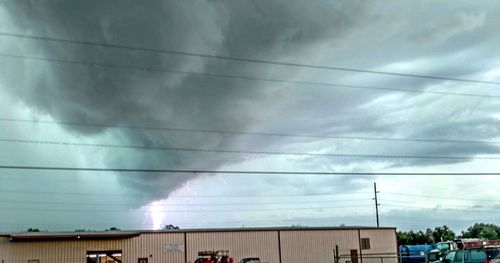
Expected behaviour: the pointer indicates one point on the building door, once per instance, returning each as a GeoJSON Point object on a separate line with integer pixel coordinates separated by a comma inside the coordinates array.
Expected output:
{"type": "Point", "coordinates": [142, 260]}
{"type": "Point", "coordinates": [114, 256]}
{"type": "Point", "coordinates": [354, 256]}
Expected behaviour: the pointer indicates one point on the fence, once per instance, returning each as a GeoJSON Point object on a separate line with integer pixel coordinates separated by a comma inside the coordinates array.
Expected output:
{"type": "Point", "coordinates": [368, 258]}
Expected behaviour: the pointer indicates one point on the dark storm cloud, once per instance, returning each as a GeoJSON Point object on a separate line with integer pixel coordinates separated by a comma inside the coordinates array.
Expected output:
{"type": "Point", "coordinates": [333, 33]}
{"type": "Point", "coordinates": [95, 95]}
{"type": "Point", "coordinates": [450, 38]}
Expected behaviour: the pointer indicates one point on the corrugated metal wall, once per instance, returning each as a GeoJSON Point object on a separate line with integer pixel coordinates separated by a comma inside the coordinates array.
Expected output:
{"type": "Point", "coordinates": [157, 247]}
{"type": "Point", "coordinates": [297, 246]}
{"type": "Point", "coordinates": [241, 244]}
{"type": "Point", "coordinates": [383, 246]}
{"type": "Point", "coordinates": [316, 246]}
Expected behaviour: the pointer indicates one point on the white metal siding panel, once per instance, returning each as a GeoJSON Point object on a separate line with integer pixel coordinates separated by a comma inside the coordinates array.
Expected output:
{"type": "Point", "coordinates": [383, 246]}
{"type": "Point", "coordinates": [300, 246]}
{"type": "Point", "coordinates": [75, 251]}
{"type": "Point", "coordinates": [57, 251]}
{"type": "Point", "coordinates": [241, 244]}
{"type": "Point", "coordinates": [155, 244]}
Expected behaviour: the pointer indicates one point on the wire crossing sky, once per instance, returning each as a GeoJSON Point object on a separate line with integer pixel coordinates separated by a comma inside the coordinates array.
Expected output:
{"type": "Point", "coordinates": [246, 78]}
{"type": "Point", "coordinates": [239, 59]}
{"type": "Point", "coordinates": [268, 112]}
{"type": "Point", "coordinates": [226, 172]}
{"type": "Point", "coordinates": [229, 151]}
{"type": "Point", "coordinates": [250, 133]}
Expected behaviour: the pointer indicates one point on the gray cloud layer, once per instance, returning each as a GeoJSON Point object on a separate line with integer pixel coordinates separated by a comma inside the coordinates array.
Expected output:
{"type": "Point", "coordinates": [356, 34]}
{"type": "Point", "coordinates": [95, 95]}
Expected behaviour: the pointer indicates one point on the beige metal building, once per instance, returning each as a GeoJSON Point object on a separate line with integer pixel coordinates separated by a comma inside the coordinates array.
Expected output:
{"type": "Point", "coordinates": [273, 245]}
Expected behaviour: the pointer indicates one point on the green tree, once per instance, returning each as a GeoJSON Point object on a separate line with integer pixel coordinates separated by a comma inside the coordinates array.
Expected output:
{"type": "Point", "coordinates": [414, 238]}
{"type": "Point", "coordinates": [430, 236]}
{"type": "Point", "coordinates": [482, 230]}
{"type": "Point", "coordinates": [442, 233]}
{"type": "Point", "coordinates": [170, 227]}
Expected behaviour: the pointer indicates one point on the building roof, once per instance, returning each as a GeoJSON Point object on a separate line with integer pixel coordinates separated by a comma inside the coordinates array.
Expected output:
{"type": "Point", "coordinates": [240, 229]}
{"type": "Point", "coordinates": [72, 235]}
{"type": "Point", "coordinates": [86, 235]}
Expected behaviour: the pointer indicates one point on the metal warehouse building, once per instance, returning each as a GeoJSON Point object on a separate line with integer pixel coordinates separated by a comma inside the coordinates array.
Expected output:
{"type": "Point", "coordinates": [273, 245]}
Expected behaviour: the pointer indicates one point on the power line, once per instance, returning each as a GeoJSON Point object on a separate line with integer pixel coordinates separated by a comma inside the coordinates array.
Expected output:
{"type": "Point", "coordinates": [23, 192]}
{"type": "Point", "coordinates": [108, 204]}
{"type": "Point", "coordinates": [189, 224]}
{"type": "Point", "coordinates": [239, 222]}
{"type": "Point", "coordinates": [426, 203]}
{"type": "Point", "coordinates": [238, 59]}
{"type": "Point", "coordinates": [322, 220]}
{"type": "Point", "coordinates": [427, 216]}
{"type": "Point", "coordinates": [434, 203]}
{"type": "Point", "coordinates": [237, 77]}
{"type": "Point", "coordinates": [127, 170]}
{"type": "Point", "coordinates": [177, 211]}
{"type": "Point", "coordinates": [247, 223]}
{"type": "Point", "coordinates": [387, 202]}
{"type": "Point", "coordinates": [229, 151]}
{"type": "Point", "coordinates": [223, 132]}
{"type": "Point", "coordinates": [436, 197]}
{"type": "Point", "coordinates": [446, 208]}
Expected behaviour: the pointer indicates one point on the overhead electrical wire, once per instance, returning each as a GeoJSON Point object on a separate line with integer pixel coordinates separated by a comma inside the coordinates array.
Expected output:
{"type": "Point", "coordinates": [428, 216]}
{"type": "Point", "coordinates": [386, 202]}
{"type": "Point", "coordinates": [438, 197]}
{"type": "Point", "coordinates": [233, 196]}
{"type": "Point", "coordinates": [239, 222]}
{"type": "Point", "coordinates": [444, 201]}
{"type": "Point", "coordinates": [469, 208]}
{"type": "Point", "coordinates": [112, 204]}
{"type": "Point", "coordinates": [195, 171]}
{"type": "Point", "coordinates": [224, 132]}
{"type": "Point", "coordinates": [328, 220]}
{"type": "Point", "coordinates": [237, 77]}
{"type": "Point", "coordinates": [178, 211]}
{"type": "Point", "coordinates": [368, 197]}
{"type": "Point", "coordinates": [237, 59]}
{"type": "Point", "coordinates": [231, 151]}
{"type": "Point", "coordinates": [247, 60]}
{"type": "Point", "coordinates": [231, 224]}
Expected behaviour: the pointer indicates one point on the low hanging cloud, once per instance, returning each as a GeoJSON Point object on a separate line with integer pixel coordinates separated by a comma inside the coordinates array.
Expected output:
{"type": "Point", "coordinates": [321, 32]}
{"type": "Point", "coordinates": [119, 97]}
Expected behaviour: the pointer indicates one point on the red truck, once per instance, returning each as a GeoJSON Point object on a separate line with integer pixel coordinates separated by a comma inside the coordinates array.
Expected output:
{"type": "Point", "coordinates": [214, 256]}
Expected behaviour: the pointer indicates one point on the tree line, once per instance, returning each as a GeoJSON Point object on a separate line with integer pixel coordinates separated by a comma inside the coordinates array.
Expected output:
{"type": "Point", "coordinates": [444, 233]}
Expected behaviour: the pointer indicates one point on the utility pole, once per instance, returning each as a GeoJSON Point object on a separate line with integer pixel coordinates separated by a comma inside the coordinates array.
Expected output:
{"type": "Point", "coordinates": [376, 202]}
{"type": "Point", "coordinates": [336, 254]}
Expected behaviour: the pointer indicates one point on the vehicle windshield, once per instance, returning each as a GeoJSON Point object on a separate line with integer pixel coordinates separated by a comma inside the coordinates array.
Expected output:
{"type": "Point", "coordinates": [449, 258]}
{"type": "Point", "coordinates": [476, 256]}
{"type": "Point", "coordinates": [443, 246]}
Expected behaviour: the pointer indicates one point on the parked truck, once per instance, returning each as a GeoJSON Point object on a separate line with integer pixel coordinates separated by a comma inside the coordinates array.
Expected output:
{"type": "Point", "coordinates": [251, 260]}
{"type": "Point", "coordinates": [415, 253]}
{"type": "Point", "coordinates": [214, 256]}
{"type": "Point", "coordinates": [444, 248]}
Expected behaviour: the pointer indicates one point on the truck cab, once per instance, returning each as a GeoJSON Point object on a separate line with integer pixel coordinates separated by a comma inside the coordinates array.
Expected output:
{"type": "Point", "coordinates": [251, 260]}
{"type": "Point", "coordinates": [466, 256]}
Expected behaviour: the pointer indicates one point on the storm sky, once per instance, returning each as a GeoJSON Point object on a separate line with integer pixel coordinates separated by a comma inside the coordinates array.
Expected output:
{"type": "Point", "coordinates": [113, 105]}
